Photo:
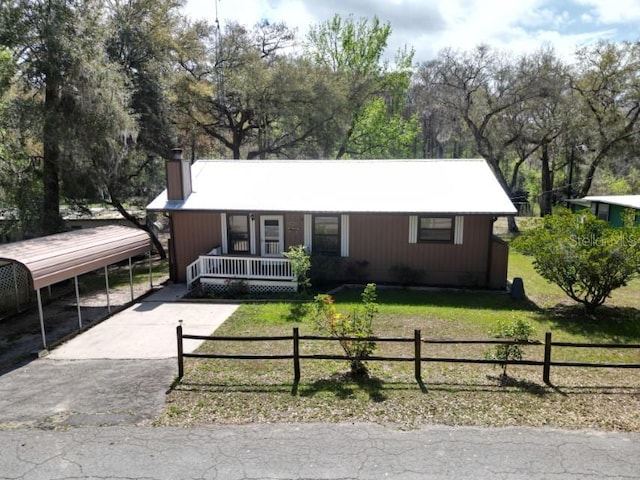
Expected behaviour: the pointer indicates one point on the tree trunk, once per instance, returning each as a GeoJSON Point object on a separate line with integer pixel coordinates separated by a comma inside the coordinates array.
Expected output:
{"type": "Point", "coordinates": [154, 239]}
{"type": "Point", "coordinates": [51, 221]}
{"type": "Point", "coordinates": [546, 201]}
{"type": "Point", "coordinates": [586, 185]}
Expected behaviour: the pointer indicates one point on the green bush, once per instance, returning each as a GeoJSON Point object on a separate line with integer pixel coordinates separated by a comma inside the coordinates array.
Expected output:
{"type": "Point", "coordinates": [519, 330]}
{"type": "Point", "coordinates": [357, 324]}
{"type": "Point", "coordinates": [406, 275]}
{"type": "Point", "coordinates": [584, 256]}
{"type": "Point", "coordinates": [300, 265]}
{"type": "Point", "coordinates": [326, 270]}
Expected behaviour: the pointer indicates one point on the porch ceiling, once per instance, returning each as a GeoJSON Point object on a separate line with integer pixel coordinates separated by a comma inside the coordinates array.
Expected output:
{"type": "Point", "coordinates": [55, 258]}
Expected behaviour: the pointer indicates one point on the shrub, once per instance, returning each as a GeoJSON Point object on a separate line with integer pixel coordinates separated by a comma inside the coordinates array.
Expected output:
{"type": "Point", "coordinates": [355, 271]}
{"type": "Point", "coordinates": [300, 265]}
{"type": "Point", "coordinates": [519, 330]}
{"type": "Point", "coordinates": [326, 270]}
{"type": "Point", "coordinates": [331, 271]}
{"type": "Point", "coordinates": [406, 275]}
{"type": "Point", "coordinates": [358, 324]}
{"type": "Point", "coordinates": [583, 255]}
{"type": "Point", "coordinates": [236, 288]}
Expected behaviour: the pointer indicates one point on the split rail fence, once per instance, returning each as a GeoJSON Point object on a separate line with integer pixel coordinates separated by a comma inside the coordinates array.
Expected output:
{"type": "Point", "coordinates": [418, 359]}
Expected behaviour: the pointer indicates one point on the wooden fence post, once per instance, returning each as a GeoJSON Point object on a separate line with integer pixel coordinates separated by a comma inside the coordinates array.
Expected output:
{"type": "Point", "coordinates": [546, 372]}
{"type": "Point", "coordinates": [417, 352]}
{"type": "Point", "coordinates": [417, 342]}
{"type": "Point", "coordinates": [180, 357]}
{"type": "Point", "coordinates": [296, 355]}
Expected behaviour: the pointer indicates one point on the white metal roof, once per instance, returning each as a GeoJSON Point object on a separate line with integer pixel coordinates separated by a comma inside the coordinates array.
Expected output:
{"type": "Point", "coordinates": [630, 201]}
{"type": "Point", "coordinates": [375, 186]}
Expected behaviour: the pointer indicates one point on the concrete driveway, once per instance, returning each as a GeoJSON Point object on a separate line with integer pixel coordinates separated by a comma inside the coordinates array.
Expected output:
{"type": "Point", "coordinates": [146, 330]}
{"type": "Point", "coordinates": [115, 373]}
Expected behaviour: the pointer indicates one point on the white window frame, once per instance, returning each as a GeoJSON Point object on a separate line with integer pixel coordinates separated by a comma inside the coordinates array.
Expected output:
{"type": "Point", "coordinates": [458, 229]}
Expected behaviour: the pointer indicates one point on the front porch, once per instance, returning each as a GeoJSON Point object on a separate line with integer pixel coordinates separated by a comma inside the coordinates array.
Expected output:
{"type": "Point", "coordinates": [260, 274]}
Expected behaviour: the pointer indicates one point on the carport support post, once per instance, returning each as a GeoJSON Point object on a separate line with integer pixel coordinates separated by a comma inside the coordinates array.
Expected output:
{"type": "Point", "coordinates": [15, 285]}
{"type": "Point", "coordinates": [44, 337]}
{"type": "Point", "coordinates": [106, 281]}
{"type": "Point", "coordinates": [131, 278]}
{"type": "Point", "coordinates": [78, 302]}
{"type": "Point", "coordinates": [150, 274]}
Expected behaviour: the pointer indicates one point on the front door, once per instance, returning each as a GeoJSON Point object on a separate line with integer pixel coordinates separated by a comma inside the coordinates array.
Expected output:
{"type": "Point", "coordinates": [271, 235]}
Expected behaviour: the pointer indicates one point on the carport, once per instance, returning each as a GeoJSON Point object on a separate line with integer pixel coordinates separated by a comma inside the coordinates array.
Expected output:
{"type": "Point", "coordinates": [55, 258]}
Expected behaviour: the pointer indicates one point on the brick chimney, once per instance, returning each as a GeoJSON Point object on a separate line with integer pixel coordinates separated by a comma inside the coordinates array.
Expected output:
{"type": "Point", "coordinates": [178, 176]}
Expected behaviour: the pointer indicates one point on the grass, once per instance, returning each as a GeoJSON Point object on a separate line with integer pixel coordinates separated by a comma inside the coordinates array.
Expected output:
{"type": "Point", "coordinates": [119, 274]}
{"type": "Point", "coordinates": [217, 391]}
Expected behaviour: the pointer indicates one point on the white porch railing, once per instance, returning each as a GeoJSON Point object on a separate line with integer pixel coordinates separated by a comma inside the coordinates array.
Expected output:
{"type": "Point", "coordinates": [245, 268]}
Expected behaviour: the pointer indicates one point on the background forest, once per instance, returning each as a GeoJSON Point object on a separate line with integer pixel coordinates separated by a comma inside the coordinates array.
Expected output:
{"type": "Point", "coordinates": [94, 94]}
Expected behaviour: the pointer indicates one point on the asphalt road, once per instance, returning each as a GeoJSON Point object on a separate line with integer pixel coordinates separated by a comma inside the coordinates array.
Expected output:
{"type": "Point", "coordinates": [316, 451]}
{"type": "Point", "coordinates": [58, 393]}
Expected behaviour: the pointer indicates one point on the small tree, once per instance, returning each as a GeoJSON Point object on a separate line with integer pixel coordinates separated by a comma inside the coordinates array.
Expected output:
{"type": "Point", "coordinates": [358, 324]}
{"type": "Point", "coordinates": [300, 265]}
{"type": "Point", "coordinates": [519, 330]}
{"type": "Point", "coordinates": [583, 255]}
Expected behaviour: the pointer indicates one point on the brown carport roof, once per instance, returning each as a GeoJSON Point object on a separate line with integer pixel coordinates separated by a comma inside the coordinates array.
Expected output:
{"type": "Point", "coordinates": [58, 257]}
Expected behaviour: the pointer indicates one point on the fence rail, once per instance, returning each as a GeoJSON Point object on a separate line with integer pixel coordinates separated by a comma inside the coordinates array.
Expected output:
{"type": "Point", "coordinates": [416, 358]}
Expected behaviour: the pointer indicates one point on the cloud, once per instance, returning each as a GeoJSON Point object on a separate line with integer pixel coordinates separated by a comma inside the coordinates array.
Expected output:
{"type": "Point", "coordinates": [430, 25]}
{"type": "Point", "coordinates": [613, 11]}
{"type": "Point", "coordinates": [403, 15]}
{"type": "Point", "coordinates": [586, 18]}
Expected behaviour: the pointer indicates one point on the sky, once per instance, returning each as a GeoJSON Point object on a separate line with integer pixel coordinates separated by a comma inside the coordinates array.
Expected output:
{"type": "Point", "coordinates": [518, 26]}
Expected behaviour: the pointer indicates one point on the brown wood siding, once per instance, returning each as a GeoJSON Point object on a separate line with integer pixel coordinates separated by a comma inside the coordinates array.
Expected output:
{"type": "Point", "coordinates": [499, 263]}
{"type": "Point", "coordinates": [380, 239]}
{"type": "Point", "coordinates": [194, 234]}
{"type": "Point", "coordinates": [383, 241]}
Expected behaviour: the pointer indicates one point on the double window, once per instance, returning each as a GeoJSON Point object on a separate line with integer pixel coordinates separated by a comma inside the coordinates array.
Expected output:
{"type": "Point", "coordinates": [326, 234]}
{"type": "Point", "coordinates": [435, 229]}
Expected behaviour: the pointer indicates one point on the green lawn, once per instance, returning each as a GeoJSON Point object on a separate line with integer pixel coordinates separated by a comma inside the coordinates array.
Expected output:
{"type": "Point", "coordinates": [248, 391]}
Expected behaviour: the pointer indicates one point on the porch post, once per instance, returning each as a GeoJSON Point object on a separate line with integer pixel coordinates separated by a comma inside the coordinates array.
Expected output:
{"type": "Point", "coordinates": [131, 278]}
{"type": "Point", "coordinates": [106, 281]}
{"type": "Point", "coordinates": [44, 337]}
{"type": "Point", "coordinates": [78, 302]}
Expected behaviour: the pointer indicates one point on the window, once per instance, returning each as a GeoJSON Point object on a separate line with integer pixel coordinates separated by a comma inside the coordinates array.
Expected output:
{"type": "Point", "coordinates": [435, 229]}
{"type": "Point", "coordinates": [238, 233]}
{"type": "Point", "coordinates": [326, 235]}
{"type": "Point", "coordinates": [603, 211]}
